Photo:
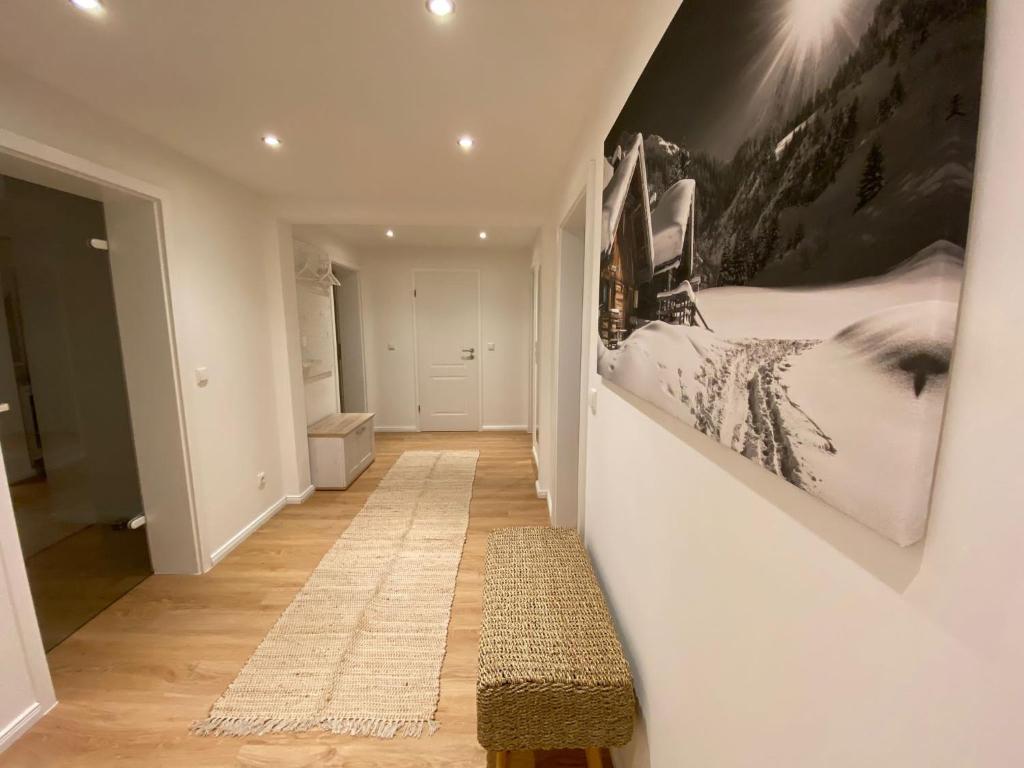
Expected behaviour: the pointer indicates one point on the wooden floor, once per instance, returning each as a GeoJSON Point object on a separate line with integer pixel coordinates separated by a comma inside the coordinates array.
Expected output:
{"type": "Point", "coordinates": [83, 574]}
{"type": "Point", "coordinates": [132, 680]}
{"type": "Point", "coordinates": [75, 569]}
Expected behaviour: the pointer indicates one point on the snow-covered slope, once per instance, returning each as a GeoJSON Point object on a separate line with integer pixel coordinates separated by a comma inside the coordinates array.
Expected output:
{"type": "Point", "coordinates": [788, 138]}
{"type": "Point", "coordinates": [934, 273]}
{"type": "Point", "coordinates": [889, 370]}
{"type": "Point", "coordinates": [791, 377]}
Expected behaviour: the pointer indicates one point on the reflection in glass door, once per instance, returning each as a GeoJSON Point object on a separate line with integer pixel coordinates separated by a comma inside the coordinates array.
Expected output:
{"type": "Point", "coordinates": [66, 435]}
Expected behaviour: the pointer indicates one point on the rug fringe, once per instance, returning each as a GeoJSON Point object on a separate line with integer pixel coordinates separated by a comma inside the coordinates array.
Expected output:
{"type": "Point", "coordinates": [250, 726]}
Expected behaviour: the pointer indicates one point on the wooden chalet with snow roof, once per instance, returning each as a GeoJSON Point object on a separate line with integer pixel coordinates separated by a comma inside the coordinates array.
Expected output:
{"type": "Point", "coordinates": [672, 226]}
{"type": "Point", "coordinates": [673, 223]}
{"type": "Point", "coordinates": [627, 246]}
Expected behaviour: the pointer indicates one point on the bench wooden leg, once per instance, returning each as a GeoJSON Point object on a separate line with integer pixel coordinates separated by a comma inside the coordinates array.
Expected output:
{"type": "Point", "coordinates": [511, 759]}
{"type": "Point", "coordinates": [594, 758]}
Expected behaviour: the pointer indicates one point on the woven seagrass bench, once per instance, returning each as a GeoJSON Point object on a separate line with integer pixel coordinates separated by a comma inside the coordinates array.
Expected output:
{"type": "Point", "coordinates": [552, 673]}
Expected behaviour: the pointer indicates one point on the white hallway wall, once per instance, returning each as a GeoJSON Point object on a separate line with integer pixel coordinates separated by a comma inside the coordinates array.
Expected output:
{"type": "Point", "coordinates": [387, 282]}
{"type": "Point", "coordinates": [233, 296]}
{"type": "Point", "coordinates": [766, 629]}
{"type": "Point", "coordinates": [228, 266]}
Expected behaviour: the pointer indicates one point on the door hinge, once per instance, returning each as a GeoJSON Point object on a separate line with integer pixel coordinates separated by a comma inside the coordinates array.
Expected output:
{"type": "Point", "coordinates": [419, 409]}
{"type": "Point", "coordinates": [414, 293]}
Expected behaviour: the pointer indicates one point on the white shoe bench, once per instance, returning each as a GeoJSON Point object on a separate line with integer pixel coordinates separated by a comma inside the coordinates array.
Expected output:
{"type": "Point", "coordinates": [341, 446]}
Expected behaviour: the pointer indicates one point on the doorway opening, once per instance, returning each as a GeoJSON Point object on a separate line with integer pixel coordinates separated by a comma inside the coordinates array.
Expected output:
{"type": "Point", "coordinates": [67, 435]}
{"type": "Point", "coordinates": [566, 506]}
{"type": "Point", "coordinates": [92, 429]}
{"type": "Point", "coordinates": [348, 326]}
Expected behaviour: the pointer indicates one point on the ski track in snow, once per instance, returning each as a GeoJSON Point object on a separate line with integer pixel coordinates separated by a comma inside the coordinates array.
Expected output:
{"type": "Point", "coordinates": [734, 392]}
{"type": "Point", "coordinates": [743, 403]}
{"type": "Point", "coordinates": [842, 395]}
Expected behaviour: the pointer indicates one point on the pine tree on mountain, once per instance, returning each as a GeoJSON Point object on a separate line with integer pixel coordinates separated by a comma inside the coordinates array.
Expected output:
{"type": "Point", "coordinates": [798, 235]}
{"type": "Point", "coordinates": [892, 100]}
{"type": "Point", "coordinates": [895, 41]}
{"type": "Point", "coordinates": [872, 179]}
{"type": "Point", "coordinates": [897, 93]}
{"type": "Point", "coordinates": [954, 108]}
{"type": "Point", "coordinates": [736, 266]}
{"type": "Point", "coordinates": [767, 239]}
{"type": "Point", "coordinates": [885, 109]}
{"type": "Point", "coordinates": [850, 124]}
{"type": "Point", "coordinates": [731, 270]}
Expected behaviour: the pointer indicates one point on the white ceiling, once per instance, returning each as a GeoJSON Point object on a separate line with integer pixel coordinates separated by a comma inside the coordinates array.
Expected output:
{"type": "Point", "coordinates": [368, 97]}
{"type": "Point", "coordinates": [415, 236]}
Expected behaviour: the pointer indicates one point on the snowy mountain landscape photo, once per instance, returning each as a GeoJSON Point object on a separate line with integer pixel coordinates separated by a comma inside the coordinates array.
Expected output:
{"type": "Point", "coordinates": [785, 213]}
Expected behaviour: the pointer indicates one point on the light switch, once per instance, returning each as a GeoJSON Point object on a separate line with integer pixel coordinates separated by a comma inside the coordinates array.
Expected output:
{"type": "Point", "coordinates": [593, 401]}
{"type": "Point", "coordinates": [202, 377]}
{"type": "Point", "coordinates": [490, 346]}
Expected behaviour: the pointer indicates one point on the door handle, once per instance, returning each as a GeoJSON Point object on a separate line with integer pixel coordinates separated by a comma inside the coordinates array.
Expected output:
{"type": "Point", "coordinates": [471, 350]}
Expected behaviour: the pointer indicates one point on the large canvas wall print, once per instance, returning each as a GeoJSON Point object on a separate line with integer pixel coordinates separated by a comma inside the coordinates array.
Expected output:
{"type": "Point", "coordinates": [784, 220]}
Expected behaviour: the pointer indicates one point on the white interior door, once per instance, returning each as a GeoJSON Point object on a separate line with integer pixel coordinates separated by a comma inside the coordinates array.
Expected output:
{"type": "Point", "coordinates": [448, 349]}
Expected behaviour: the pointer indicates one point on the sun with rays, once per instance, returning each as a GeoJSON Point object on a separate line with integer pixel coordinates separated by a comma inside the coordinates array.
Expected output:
{"type": "Point", "coordinates": [806, 26]}
{"type": "Point", "coordinates": [805, 36]}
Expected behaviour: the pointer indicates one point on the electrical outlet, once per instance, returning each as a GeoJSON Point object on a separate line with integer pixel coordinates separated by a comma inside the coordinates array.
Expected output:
{"type": "Point", "coordinates": [261, 479]}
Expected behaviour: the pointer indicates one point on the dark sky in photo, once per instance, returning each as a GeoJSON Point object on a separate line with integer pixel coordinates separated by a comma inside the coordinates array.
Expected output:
{"type": "Point", "coordinates": [701, 86]}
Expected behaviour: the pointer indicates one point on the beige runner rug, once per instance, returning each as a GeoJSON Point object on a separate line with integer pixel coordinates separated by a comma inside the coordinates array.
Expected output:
{"type": "Point", "coordinates": [359, 650]}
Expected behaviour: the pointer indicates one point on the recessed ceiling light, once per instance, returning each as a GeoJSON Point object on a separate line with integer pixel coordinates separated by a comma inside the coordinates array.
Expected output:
{"type": "Point", "coordinates": [89, 6]}
{"type": "Point", "coordinates": [483, 235]}
{"type": "Point", "coordinates": [466, 143]}
{"type": "Point", "coordinates": [389, 233]}
{"type": "Point", "coordinates": [441, 7]}
{"type": "Point", "coordinates": [272, 141]}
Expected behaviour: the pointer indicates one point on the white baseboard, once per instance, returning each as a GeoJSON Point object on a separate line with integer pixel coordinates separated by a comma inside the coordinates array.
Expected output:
{"type": "Point", "coordinates": [298, 498]}
{"type": "Point", "coordinates": [225, 549]}
{"type": "Point", "coordinates": [15, 729]}
{"type": "Point", "coordinates": [542, 493]}
{"type": "Point", "coordinates": [504, 428]}
{"type": "Point", "coordinates": [395, 429]}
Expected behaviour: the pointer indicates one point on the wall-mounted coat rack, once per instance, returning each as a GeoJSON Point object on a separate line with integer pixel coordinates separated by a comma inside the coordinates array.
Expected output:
{"type": "Point", "coordinates": [315, 268]}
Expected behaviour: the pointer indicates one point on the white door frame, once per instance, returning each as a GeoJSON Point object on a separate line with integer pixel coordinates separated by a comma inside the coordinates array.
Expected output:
{"type": "Point", "coordinates": [535, 362]}
{"type": "Point", "coordinates": [582, 382]}
{"type": "Point", "coordinates": [55, 168]}
{"type": "Point", "coordinates": [416, 346]}
{"type": "Point", "coordinates": [144, 205]}
{"type": "Point", "coordinates": [594, 193]}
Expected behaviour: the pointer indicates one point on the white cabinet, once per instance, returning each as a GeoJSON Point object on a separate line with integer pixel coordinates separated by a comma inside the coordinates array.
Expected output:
{"type": "Point", "coordinates": [341, 446]}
